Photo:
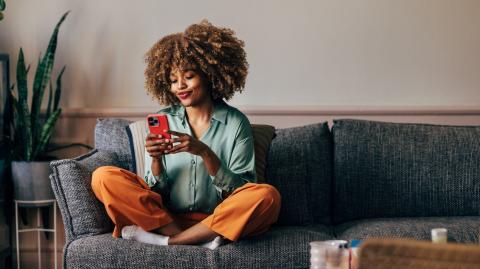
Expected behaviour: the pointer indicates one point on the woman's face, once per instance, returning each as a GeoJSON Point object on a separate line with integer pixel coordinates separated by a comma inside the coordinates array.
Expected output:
{"type": "Point", "coordinates": [189, 87]}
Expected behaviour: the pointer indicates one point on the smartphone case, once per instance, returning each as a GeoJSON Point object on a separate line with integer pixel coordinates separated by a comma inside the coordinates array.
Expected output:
{"type": "Point", "coordinates": [157, 123]}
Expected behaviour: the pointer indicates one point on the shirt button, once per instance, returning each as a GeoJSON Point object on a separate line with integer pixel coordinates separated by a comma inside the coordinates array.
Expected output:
{"type": "Point", "coordinates": [190, 208]}
{"type": "Point", "coordinates": [193, 161]}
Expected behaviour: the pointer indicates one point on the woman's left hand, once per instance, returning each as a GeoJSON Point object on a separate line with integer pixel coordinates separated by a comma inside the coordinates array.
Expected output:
{"type": "Point", "coordinates": [187, 144]}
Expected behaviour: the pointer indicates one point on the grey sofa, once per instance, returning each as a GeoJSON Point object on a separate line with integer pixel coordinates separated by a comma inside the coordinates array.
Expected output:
{"type": "Point", "coordinates": [360, 179]}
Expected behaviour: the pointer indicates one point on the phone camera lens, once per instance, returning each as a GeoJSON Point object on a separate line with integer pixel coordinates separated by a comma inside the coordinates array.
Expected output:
{"type": "Point", "coordinates": [152, 121]}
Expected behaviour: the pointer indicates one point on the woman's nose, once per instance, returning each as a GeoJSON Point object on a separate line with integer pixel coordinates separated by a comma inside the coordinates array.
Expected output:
{"type": "Point", "coordinates": [181, 84]}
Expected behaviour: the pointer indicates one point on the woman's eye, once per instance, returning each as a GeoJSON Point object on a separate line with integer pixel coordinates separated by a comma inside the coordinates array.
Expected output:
{"type": "Point", "coordinates": [173, 81]}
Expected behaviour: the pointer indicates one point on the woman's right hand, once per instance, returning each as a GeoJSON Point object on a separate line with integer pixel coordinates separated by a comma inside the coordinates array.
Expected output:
{"type": "Point", "coordinates": [156, 145]}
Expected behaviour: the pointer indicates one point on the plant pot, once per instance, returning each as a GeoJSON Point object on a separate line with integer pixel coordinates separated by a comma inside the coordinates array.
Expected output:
{"type": "Point", "coordinates": [31, 181]}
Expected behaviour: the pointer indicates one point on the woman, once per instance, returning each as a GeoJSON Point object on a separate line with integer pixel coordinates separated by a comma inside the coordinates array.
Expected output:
{"type": "Point", "coordinates": [199, 186]}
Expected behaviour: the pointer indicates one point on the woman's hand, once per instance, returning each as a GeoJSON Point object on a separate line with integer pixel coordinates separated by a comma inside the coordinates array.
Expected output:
{"type": "Point", "coordinates": [187, 144]}
{"type": "Point", "coordinates": [156, 145]}
{"type": "Point", "coordinates": [196, 147]}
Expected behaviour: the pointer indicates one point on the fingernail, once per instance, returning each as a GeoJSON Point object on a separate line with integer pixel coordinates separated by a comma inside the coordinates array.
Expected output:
{"type": "Point", "coordinates": [165, 151]}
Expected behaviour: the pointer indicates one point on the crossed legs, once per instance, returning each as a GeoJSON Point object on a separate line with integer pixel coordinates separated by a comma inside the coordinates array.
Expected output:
{"type": "Point", "coordinates": [249, 210]}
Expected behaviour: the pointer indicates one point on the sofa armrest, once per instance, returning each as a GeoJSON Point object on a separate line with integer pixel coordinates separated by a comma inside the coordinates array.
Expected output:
{"type": "Point", "coordinates": [413, 254]}
{"type": "Point", "coordinates": [82, 213]}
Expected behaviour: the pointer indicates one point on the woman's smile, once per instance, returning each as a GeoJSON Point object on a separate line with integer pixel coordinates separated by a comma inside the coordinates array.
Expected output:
{"type": "Point", "coordinates": [185, 94]}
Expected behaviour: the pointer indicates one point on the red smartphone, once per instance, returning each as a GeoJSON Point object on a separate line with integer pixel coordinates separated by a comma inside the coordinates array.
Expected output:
{"type": "Point", "coordinates": [157, 123]}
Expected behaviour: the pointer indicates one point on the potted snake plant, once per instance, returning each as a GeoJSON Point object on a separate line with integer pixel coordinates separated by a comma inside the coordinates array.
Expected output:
{"type": "Point", "coordinates": [30, 131]}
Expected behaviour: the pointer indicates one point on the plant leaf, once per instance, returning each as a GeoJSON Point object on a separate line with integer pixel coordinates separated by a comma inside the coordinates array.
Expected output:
{"type": "Point", "coordinates": [47, 131]}
{"type": "Point", "coordinates": [43, 74]}
{"type": "Point", "coordinates": [58, 90]}
{"type": "Point", "coordinates": [24, 114]}
{"type": "Point", "coordinates": [21, 77]}
{"type": "Point", "coordinates": [49, 106]}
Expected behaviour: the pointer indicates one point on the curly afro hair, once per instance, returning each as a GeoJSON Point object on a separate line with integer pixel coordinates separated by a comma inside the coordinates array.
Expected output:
{"type": "Point", "coordinates": [212, 51]}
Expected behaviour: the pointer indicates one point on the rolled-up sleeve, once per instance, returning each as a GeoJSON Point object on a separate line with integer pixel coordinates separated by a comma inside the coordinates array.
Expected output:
{"type": "Point", "coordinates": [240, 168]}
{"type": "Point", "coordinates": [157, 181]}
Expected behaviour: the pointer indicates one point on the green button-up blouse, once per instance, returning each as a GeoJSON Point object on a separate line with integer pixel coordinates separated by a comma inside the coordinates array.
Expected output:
{"type": "Point", "coordinates": [185, 181]}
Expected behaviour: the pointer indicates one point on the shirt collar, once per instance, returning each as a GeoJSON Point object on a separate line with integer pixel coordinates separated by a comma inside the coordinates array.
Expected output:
{"type": "Point", "coordinates": [220, 110]}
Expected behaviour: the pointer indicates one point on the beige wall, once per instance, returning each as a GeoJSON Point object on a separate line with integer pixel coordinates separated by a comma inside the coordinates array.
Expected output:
{"type": "Point", "coordinates": [322, 52]}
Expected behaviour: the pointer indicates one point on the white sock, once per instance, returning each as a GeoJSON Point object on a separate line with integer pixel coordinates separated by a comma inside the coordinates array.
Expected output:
{"type": "Point", "coordinates": [138, 234]}
{"type": "Point", "coordinates": [214, 243]}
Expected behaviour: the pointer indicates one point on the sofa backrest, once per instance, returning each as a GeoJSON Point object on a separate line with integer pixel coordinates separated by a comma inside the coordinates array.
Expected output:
{"type": "Point", "coordinates": [399, 170]}
{"type": "Point", "coordinates": [111, 136]}
{"type": "Point", "coordinates": [300, 166]}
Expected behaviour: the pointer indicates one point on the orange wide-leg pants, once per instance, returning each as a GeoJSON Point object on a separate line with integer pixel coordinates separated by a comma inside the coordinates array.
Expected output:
{"type": "Point", "coordinates": [250, 210]}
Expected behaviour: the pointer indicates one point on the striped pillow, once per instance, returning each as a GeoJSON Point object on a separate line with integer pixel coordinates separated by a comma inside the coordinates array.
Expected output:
{"type": "Point", "coordinates": [262, 134]}
{"type": "Point", "coordinates": [137, 133]}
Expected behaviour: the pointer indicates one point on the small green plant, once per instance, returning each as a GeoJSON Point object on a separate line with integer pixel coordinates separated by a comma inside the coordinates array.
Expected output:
{"type": "Point", "coordinates": [30, 134]}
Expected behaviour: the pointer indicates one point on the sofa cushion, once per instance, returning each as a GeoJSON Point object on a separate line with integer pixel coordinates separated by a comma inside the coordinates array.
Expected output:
{"type": "Point", "coordinates": [300, 167]}
{"type": "Point", "coordinates": [111, 135]}
{"type": "Point", "coordinates": [262, 138]}
{"type": "Point", "coordinates": [405, 170]}
{"type": "Point", "coordinates": [82, 213]}
{"type": "Point", "coordinates": [281, 247]}
{"type": "Point", "coordinates": [459, 229]}
{"type": "Point", "coordinates": [105, 251]}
